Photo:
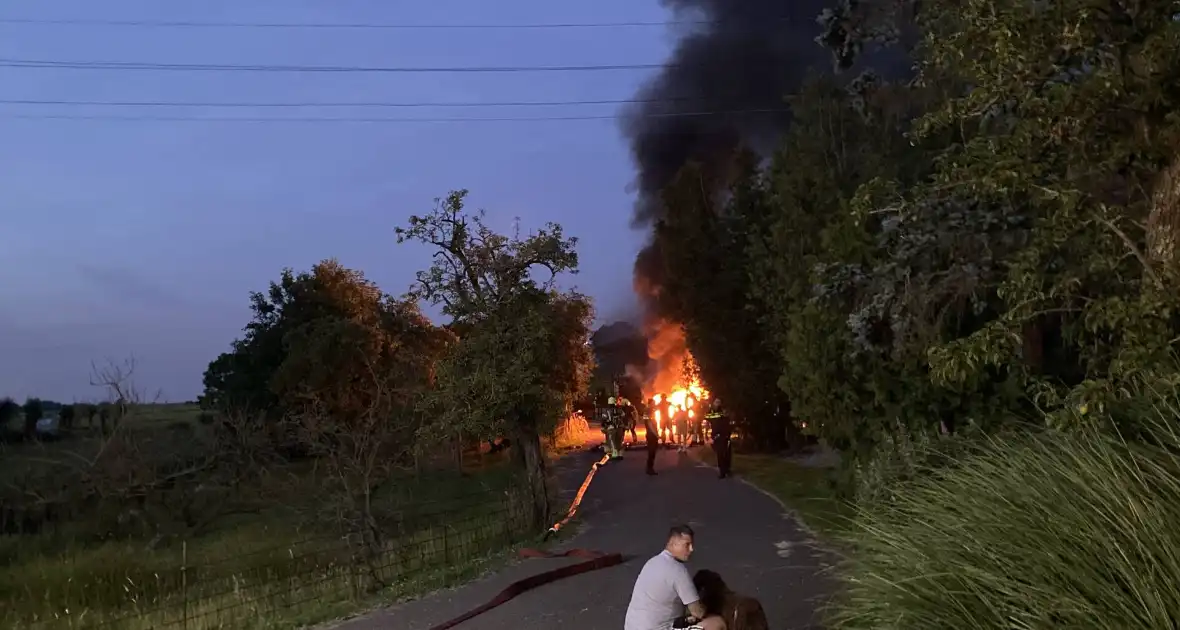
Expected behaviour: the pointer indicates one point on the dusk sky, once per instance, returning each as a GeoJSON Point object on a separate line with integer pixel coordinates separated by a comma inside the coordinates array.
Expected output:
{"type": "Point", "coordinates": [145, 237]}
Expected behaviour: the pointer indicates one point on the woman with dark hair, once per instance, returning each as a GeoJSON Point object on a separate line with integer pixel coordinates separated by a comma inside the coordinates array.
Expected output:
{"type": "Point", "coordinates": [740, 612]}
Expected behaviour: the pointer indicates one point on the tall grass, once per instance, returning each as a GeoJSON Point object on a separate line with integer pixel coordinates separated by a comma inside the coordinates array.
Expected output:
{"type": "Point", "coordinates": [1027, 531]}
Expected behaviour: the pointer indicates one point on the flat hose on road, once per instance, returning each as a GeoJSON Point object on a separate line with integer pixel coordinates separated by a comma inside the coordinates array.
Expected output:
{"type": "Point", "coordinates": [594, 560]}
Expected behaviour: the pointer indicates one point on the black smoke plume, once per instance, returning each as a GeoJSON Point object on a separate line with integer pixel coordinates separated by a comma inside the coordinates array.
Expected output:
{"type": "Point", "coordinates": [723, 89]}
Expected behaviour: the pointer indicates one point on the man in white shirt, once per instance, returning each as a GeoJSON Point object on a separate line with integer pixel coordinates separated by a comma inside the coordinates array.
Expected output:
{"type": "Point", "coordinates": [664, 589]}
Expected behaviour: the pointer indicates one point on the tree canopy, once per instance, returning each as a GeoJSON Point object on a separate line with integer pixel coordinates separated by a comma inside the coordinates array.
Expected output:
{"type": "Point", "coordinates": [985, 239]}
{"type": "Point", "coordinates": [523, 356]}
{"type": "Point", "coordinates": [331, 367]}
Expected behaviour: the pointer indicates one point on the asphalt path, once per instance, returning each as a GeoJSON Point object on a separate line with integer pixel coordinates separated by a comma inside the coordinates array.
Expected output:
{"type": "Point", "coordinates": [741, 532]}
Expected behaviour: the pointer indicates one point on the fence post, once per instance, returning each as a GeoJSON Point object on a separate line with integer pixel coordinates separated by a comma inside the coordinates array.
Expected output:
{"type": "Point", "coordinates": [184, 582]}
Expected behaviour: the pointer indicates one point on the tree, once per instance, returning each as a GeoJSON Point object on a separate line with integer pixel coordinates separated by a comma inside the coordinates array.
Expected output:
{"type": "Point", "coordinates": [34, 411]}
{"type": "Point", "coordinates": [243, 379]}
{"type": "Point", "coordinates": [523, 355]}
{"type": "Point", "coordinates": [67, 415]}
{"type": "Point", "coordinates": [123, 395]}
{"type": "Point", "coordinates": [704, 244]}
{"type": "Point", "coordinates": [352, 388]}
{"type": "Point", "coordinates": [89, 410]}
{"type": "Point", "coordinates": [9, 410]}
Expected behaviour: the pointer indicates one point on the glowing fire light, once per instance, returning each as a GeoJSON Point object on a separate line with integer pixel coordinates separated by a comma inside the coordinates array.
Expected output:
{"type": "Point", "coordinates": [670, 386]}
{"type": "Point", "coordinates": [683, 399]}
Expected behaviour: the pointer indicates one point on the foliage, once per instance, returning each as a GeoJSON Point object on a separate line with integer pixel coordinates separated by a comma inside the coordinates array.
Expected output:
{"type": "Point", "coordinates": [1089, 544]}
{"type": "Point", "coordinates": [989, 242]}
{"type": "Point", "coordinates": [67, 414]}
{"type": "Point", "coordinates": [247, 379]}
{"type": "Point", "coordinates": [351, 389]}
{"type": "Point", "coordinates": [9, 410]}
{"type": "Point", "coordinates": [34, 410]}
{"type": "Point", "coordinates": [523, 356]}
{"type": "Point", "coordinates": [706, 257]}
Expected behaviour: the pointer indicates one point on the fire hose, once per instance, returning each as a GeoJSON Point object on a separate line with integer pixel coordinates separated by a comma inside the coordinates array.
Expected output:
{"type": "Point", "coordinates": [594, 560]}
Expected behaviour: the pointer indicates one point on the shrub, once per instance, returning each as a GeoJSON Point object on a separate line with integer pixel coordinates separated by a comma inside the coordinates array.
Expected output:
{"type": "Point", "coordinates": [900, 456]}
{"type": "Point", "coordinates": [9, 410]}
{"type": "Point", "coordinates": [34, 410]}
{"type": "Point", "coordinates": [1032, 530]}
{"type": "Point", "coordinates": [67, 415]}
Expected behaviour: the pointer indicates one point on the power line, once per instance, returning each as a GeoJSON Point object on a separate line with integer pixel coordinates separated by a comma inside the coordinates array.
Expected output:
{"type": "Point", "coordinates": [318, 119]}
{"type": "Point", "coordinates": [346, 26]}
{"type": "Point", "coordinates": [134, 65]}
{"type": "Point", "coordinates": [368, 104]}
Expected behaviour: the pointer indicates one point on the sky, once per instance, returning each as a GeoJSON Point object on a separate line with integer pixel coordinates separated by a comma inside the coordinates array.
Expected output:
{"type": "Point", "coordinates": [144, 238]}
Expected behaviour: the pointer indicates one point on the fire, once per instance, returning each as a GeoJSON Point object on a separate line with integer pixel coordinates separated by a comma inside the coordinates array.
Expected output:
{"type": "Point", "coordinates": [682, 398]}
{"type": "Point", "coordinates": [670, 381]}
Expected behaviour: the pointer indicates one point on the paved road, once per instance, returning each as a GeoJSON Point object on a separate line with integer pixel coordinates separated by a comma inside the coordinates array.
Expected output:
{"type": "Point", "coordinates": [741, 533]}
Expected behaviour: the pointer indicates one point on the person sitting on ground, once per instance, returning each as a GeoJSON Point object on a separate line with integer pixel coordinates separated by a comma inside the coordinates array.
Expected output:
{"type": "Point", "coordinates": [740, 612]}
{"type": "Point", "coordinates": [664, 589]}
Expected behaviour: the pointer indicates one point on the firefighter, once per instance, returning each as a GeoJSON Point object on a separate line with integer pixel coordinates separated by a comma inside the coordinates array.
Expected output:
{"type": "Point", "coordinates": [721, 426]}
{"type": "Point", "coordinates": [632, 414]}
{"type": "Point", "coordinates": [612, 427]}
{"type": "Point", "coordinates": [699, 424]}
{"type": "Point", "coordinates": [681, 422]}
{"type": "Point", "coordinates": [669, 422]}
{"type": "Point", "coordinates": [622, 410]}
{"type": "Point", "coordinates": [605, 421]}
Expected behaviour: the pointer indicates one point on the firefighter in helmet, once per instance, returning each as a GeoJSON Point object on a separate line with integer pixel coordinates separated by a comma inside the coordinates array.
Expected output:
{"type": "Point", "coordinates": [623, 411]}
{"type": "Point", "coordinates": [611, 425]}
{"type": "Point", "coordinates": [722, 428]}
{"type": "Point", "coordinates": [631, 416]}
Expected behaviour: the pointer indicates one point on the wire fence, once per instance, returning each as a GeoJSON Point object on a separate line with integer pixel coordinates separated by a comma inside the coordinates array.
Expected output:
{"type": "Point", "coordinates": [412, 550]}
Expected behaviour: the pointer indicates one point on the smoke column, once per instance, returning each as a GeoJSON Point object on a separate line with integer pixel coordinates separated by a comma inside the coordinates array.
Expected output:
{"type": "Point", "coordinates": [749, 56]}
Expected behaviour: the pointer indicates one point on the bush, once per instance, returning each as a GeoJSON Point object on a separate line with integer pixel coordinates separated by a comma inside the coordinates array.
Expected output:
{"type": "Point", "coordinates": [1032, 530]}
{"type": "Point", "coordinates": [9, 410]}
{"type": "Point", "coordinates": [67, 415]}
{"type": "Point", "coordinates": [34, 410]}
{"type": "Point", "coordinates": [900, 456]}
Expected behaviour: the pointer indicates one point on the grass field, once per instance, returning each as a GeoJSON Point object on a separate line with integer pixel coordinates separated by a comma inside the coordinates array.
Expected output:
{"type": "Point", "coordinates": [233, 580]}
{"type": "Point", "coordinates": [266, 568]}
{"type": "Point", "coordinates": [807, 491]}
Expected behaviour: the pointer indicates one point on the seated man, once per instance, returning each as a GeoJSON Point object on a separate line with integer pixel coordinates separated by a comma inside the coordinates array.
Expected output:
{"type": "Point", "coordinates": [739, 611]}
{"type": "Point", "coordinates": [664, 589]}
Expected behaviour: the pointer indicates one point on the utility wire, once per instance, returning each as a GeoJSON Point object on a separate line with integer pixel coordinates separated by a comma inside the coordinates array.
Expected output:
{"type": "Point", "coordinates": [381, 104]}
{"type": "Point", "coordinates": [351, 26]}
{"type": "Point", "coordinates": [317, 119]}
{"type": "Point", "coordinates": [133, 65]}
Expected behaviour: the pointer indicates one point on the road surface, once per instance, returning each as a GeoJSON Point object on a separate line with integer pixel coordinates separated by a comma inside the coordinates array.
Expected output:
{"type": "Point", "coordinates": [740, 532]}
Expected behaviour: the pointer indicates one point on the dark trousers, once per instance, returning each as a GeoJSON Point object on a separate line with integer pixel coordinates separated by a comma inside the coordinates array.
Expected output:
{"type": "Point", "coordinates": [724, 453]}
{"type": "Point", "coordinates": [653, 445]}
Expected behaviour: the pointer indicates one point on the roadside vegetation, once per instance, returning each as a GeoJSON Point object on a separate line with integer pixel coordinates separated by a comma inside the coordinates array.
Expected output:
{"type": "Point", "coordinates": [963, 279]}
{"type": "Point", "coordinates": [345, 451]}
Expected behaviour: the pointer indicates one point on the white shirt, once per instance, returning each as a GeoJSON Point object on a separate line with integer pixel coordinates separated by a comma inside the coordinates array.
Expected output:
{"type": "Point", "coordinates": [661, 592]}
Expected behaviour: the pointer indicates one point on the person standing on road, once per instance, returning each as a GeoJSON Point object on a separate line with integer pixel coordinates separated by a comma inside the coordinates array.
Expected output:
{"type": "Point", "coordinates": [651, 429]}
{"type": "Point", "coordinates": [610, 423]}
{"type": "Point", "coordinates": [632, 419]}
{"type": "Point", "coordinates": [722, 429]}
{"type": "Point", "coordinates": [664, 589]}
{"type": "Point", "coordinates": [681, 419]}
